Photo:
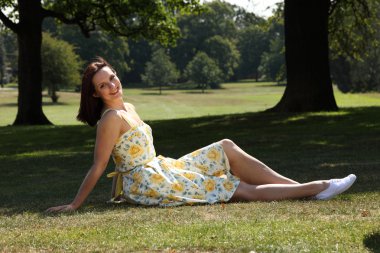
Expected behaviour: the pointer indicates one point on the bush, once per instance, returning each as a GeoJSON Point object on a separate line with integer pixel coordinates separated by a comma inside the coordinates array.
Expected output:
{"type": "Point", "coordinates": [204, 71]}
{"type": "Point", "coordinates": [60, 65]}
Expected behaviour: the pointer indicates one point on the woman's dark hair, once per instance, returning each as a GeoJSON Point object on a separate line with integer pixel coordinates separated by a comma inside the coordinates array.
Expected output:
{"type": "Point", "coordinates": [90, 106]}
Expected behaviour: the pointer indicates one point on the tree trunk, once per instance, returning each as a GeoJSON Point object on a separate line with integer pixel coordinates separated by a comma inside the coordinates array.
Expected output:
{"type": "Point", "coordinates": [29, 65]}
{"type": "Point", "coordinates": [309, 86]}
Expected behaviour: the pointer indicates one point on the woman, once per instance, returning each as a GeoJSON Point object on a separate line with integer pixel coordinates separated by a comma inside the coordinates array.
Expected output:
{"type": "Point", "coordinates": [220, 172]}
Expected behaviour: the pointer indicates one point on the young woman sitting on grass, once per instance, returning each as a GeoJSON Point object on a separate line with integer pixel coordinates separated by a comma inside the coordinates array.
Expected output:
{"type": "Point", "coordinates": [220, 172]}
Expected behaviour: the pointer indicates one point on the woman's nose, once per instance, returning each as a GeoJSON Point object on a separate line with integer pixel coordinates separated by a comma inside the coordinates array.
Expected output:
{"type": "Point", "coordinates": [112, 85]}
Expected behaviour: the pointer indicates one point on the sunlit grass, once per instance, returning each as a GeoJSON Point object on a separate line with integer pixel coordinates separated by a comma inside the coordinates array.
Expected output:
{"type": "Point", "coordinates": [172, 104]}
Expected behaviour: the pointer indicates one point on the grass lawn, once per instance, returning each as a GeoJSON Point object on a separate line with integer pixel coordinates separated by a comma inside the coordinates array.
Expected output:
{"type": "Point", "coordinates": [44, 165]}
{"type": "Point", "coordinates": [173, 104]}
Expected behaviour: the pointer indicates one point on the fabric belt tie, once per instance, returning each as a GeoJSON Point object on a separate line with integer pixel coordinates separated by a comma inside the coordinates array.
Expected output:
{"type": "Point", "coordinates": [119, 183]}
{"type": "Point", "coordinates": [119, 178]}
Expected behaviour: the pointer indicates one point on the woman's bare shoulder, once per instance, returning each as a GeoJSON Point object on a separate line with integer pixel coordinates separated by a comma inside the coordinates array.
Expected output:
{"type": "Point", "coordinates": [109, 118]}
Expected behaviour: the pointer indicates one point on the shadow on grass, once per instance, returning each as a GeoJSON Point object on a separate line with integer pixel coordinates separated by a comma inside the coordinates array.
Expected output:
{"type": "Point", "coordinates": [272, 85]}
{"type": "Point", "coordinates": [43, 166]}
{"type": "Point", "coordinates": [8, 105]}
{"type": "Point", "coordinates": [372, 242]}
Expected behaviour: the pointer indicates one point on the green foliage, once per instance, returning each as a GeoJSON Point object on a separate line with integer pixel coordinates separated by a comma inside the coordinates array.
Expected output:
{"type": "Point", "coordinates": [139, 54]}
{"type": "Point", "coordinates": [204, 71]}
{"type": "Point", "coordinates": [9, 45]}
{"type": "Point", "coordinates": [224, 53]}
{"type": "Point", "coordinates": [252, 43]}
{"type": "Point", "coordinates": [100, 43]}
{"type": "Point", "coordinates": [244, 19]}
{"type": "Point", "coordinates": [160, 70]}
{"type": "Point", "coordinates": [355, 64]}
{"type": "Point", "coordinates": [153, 20]}
{"type": "Point", "coordinates": [60, 65]}
{"type": "Point", "coordinates": [272, 65]}
{"type": "Point", "coordinates": [352, 26]}
{"type": "Point", "coordinates": [217, 19]}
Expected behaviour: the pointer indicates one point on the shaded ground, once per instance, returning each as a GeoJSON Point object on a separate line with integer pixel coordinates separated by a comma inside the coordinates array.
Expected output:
{"type": "Point", "coordinates": [46, 163]}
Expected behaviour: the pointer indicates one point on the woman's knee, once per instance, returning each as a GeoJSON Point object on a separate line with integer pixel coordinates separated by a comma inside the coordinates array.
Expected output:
{"type": "Point", "coordinates": [244, 192]}
{"type": "Point", "coordinates": [227, 144]}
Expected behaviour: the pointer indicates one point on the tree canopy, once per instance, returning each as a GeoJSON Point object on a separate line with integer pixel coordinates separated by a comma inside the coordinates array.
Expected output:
{"type": "Point", "coordinates": [60, 65]}
{"type": "Point", "coordinates": [160, 70]}
{"type": "Point", "coordinates": [155, 20]}
{"type": "Point", "coordinates": [204, 71]}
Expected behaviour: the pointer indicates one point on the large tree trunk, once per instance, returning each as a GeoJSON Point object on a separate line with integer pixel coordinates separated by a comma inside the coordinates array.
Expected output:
{"type": "Point", "coordinates": [29, 65]}
{"type": "Point", "coordinates": [309, 86]}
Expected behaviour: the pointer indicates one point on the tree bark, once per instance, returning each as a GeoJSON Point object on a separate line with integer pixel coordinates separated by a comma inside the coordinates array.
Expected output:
{"type": "Point", "coordinates": [309, 86]}
{"type": "Point", "coordinates": [29, 38]}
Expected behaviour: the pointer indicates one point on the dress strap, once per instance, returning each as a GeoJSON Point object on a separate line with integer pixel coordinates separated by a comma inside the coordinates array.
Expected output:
{"type": "Point", "coordinates": [104, 113]}
{"type": "Point", "coordinates": [122, 115]}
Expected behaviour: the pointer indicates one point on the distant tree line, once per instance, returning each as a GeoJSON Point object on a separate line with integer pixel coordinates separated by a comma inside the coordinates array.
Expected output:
{"type": "Point", "coordinates": [222, 43]}
{"type": "Point", "coordinates": [230, 40]}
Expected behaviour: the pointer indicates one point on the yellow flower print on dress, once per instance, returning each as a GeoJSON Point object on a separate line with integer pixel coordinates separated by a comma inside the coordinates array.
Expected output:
{"type": "Point", "coordinates": [209, 185]}
{"type": "Point", "coordinates": [118, 160]}
{"type": "Point", "coordinates": [134, 188]}
{"type": "Point", "coordinates": [172, 197]}
{"type": "Point", "coordinates": [134, 134]}
{"type": "Point", "coordinates": [165, 165]}
{"type": "Point", "coordinates": [213, 154]}
{"type": "Point", "coordinates": [203, 168]}
{"type": "Point", "coordinates": [178, 187]}
{"type": "Point", "coordinates": [151, 193]}
{"type": "Point", "coordinates": [135, 150]}
{"type": "Point", "coordinates": [188, 175]}
{"type": "Point", "coordinates": [137, 177]}
{"type": "Point", "coordinates": [157, 178]}
{"type": "Point", "coordinates": [218, 173]}
{"type": "Point", "coordinates": [195, 153]}
{"type": "Point", "coordinates": [228, 185]}
{"type": "Point", "coordinates": [179, 164]}
{"type": "Point", "coordinates": [166, 201]}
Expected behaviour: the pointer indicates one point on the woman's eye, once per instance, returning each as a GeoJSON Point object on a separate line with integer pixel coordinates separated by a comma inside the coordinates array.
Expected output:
{"type": "Point", "coordinates": [101, 86]}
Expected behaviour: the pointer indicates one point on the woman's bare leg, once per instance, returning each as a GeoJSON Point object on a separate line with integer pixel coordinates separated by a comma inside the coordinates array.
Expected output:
{"type": "Point", "coordinates": [249, 169]}
{"type": "Point", "coordinates": [269, 192]}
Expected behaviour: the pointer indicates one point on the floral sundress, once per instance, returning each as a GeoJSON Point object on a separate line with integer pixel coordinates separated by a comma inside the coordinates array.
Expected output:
{"type": "Point", "coordinates": [202, 176]}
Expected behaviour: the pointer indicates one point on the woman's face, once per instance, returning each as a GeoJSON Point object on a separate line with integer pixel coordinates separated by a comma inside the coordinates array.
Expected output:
{"type": "Point", "coordinates": [107, 85]}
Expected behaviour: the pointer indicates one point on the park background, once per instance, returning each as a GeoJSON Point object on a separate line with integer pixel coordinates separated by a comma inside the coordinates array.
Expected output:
{"type": "Point", "coordinates": [220, 79]}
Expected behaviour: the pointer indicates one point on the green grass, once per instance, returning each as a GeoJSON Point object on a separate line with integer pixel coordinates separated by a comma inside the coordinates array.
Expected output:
{"type": "Point", "coordinates": [43, 166]}
{"type": "Point", "coordinates": [172, 104]}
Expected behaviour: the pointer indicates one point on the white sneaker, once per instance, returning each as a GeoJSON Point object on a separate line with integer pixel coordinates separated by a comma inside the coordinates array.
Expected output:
{"type": "Point", "coordinates": [337, 186]}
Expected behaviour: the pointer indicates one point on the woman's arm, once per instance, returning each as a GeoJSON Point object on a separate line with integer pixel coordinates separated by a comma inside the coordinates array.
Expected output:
{"type": "Point", "coordinates": [107, 134]}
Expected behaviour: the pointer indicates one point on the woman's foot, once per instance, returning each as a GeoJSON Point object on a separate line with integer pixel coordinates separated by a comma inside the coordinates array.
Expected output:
{"type": "Point", "coordinates": [336, 186]}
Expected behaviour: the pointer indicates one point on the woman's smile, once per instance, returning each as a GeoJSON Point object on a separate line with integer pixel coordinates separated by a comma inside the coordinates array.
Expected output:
{"type": "Point", "coordinates": [114, 93]}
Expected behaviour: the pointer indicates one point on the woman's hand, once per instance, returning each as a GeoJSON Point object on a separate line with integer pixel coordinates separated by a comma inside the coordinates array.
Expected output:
{"type": "Point", "coordinates": [61, 209]}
